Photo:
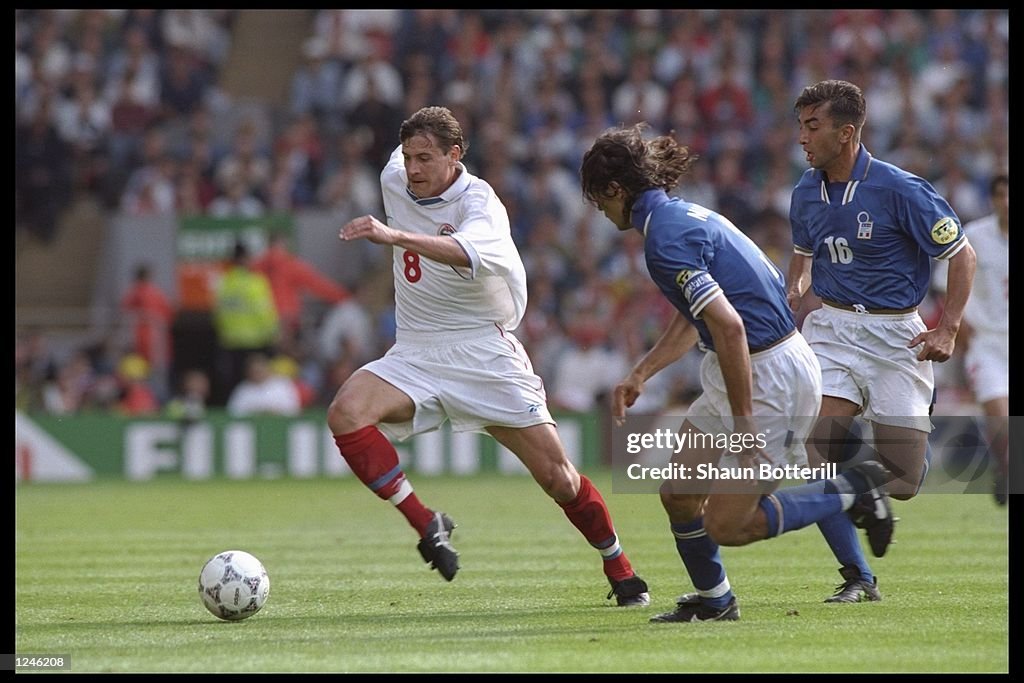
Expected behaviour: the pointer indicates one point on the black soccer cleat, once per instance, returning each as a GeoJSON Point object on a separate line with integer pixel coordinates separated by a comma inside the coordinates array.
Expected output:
{"type": "Point", "coordinates": [631, 592]}
{"type": "Point", "coordinates": [872, 510]}
{"type": "Point", "coordinates": [854, 588]}
{"type": "Point", "coordinates": [689, 608]}
{"type": "Point", "coordinates": [1000, 489]}
{"type": "Point", "coordinates": [688, 599]}
{"type": "Point", "coordinates": [436, 546]}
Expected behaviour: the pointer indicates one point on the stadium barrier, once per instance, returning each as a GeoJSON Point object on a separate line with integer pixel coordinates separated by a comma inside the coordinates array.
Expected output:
{"type": "Point", "coordinates": [61, 448]}
{"type": "Point", "coordinates": [77, 448]}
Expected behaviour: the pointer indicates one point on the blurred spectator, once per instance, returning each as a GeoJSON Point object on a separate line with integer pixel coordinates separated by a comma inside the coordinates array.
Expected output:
{"type": "Point", "coordinates": [291, 278]}
{"type": "Point", "coordinates": [587, 369]}
{"type": "Point", "coordinates": [83, 121]}
{"type": "Point", "coordinates": [263, 392]}
{"type": "Point", "coordinates": [347, 329]}
{"type": "Point", "coordinates": [962, 193]}
{"type": "Point", "coordinates": [201, 32]}
{"type": "Point", "coordinates": [66, 389]}
{"type": "Point", "coordinates": [316, 84]}
{"type": "Point", "coordinates": [640, 97]}
{"type": "Point", "coordinates": [150, 314]}
{"type": "Point", "coordinates": [350, 33]}
{"type": "Point", "coordinates": [236, 200]}
{"type": "Point", "coordinates": [736, 200]}
{"type": "Point", "coordinates": [182, 86]}
{"type": "Point", "coordinates": [245, 319]}
{"type": "Point", "coordinates": [373, 109]}
{"type": "Point", "coordinates": [283, 365]}
{"type": "Point", "coordinates": [137, 396]}
{"type": "Point", "coordinates": [151, 189]}
{"type": "Point", "coordinates": [351, 187]}
{"type": "Point", "coordinates": [42, 167]}
{"type": "Point", "coordinates": [134, 105]}
{"type": "Point", "coordinates": [136, 56]}
{"type": "Point", "coordinates": [298, 165]}
{"type": "Point", "coordinates": [189, 403]}
{"type": "Point", "coordinates": [194, 191]}
{"type": "Point", "coordinates": [246, 161]}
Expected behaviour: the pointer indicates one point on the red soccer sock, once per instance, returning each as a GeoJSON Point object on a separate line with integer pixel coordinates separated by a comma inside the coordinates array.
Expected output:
{"type": "Point", "coordinates": [374, 460]}
{"type": "Point", "coordinates": [588, 513]}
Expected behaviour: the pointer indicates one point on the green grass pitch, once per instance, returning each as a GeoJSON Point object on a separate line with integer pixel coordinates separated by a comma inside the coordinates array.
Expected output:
{"type": "Point", "coordinates": [106, 575]}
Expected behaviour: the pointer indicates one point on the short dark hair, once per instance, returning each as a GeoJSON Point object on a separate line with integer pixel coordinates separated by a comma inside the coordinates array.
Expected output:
{"type": "Point", "coordinates": [846, 101]}
{"type": "Point", "coordinates": [438, 121]}
{"type": "Point", "coordinates": [999, 179]}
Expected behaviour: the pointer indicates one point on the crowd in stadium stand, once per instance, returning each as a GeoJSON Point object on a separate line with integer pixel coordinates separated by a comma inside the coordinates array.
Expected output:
{"type": "Point", "coordinates": [123, 104]}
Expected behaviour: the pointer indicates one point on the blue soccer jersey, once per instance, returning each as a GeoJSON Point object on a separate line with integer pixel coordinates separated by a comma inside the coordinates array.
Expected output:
{"type": "Point", "coordinates": [872, 238]}
{"type": "Point", "coordinates": [695, 255]}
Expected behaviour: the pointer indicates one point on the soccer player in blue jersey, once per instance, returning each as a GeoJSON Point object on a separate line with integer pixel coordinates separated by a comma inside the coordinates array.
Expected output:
{"type": "Point", "coordinates": [757, 370]}
{"type": "Point", "coordinates": [864, 234]}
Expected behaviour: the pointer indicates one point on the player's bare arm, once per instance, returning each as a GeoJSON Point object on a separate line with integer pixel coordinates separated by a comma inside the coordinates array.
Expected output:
{"type": "Point", "coordinates": [938, 343]}
{"type": "Point", "coordinates": [440, 248]}
{"type": "Point", "coordinates": [798, 279]}
{"type": "Point", "coordinates": [730, 337]}
{"type": "Point", "coordinates": [678, 338]}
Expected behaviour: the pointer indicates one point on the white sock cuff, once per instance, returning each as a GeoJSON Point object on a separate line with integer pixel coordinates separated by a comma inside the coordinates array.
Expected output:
{"type": "Point", "coordinates": [404, 489]}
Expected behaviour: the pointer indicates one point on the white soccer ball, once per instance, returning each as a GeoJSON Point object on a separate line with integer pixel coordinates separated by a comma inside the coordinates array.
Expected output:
{"type": "Point", "coordinates": [234, 585]}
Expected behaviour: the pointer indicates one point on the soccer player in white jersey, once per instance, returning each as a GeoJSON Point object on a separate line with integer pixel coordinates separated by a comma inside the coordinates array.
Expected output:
{"type": "Point", "coordinates": [758, 376]}
{"type": "Point", "coordinates": [460, 290]}
{"type": "Point", "coordinates": [987, 323]}
{"type": "Point", "coordinates": [865, 233]}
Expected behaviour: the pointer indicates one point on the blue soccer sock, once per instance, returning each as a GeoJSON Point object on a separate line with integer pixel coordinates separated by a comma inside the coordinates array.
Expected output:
{"type": "Point", "coordinates": [703, 563]}
{"type": "Point", "coordinates": [841, 536]}
{"type": "Point", "coordinates": [796, 507]}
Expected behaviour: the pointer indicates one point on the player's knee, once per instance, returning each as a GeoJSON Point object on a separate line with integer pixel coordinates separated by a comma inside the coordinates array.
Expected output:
{"type": "Point", "coordinates": [725, 532]}
{"type": "Point", "coordinates": [344, 414]}
{"type": "Point", "coordinates": [718, 531]}
{"type": "Point", "coordinates": [558, 482]}
{"type": "Point", "coordinates": [681, 507]}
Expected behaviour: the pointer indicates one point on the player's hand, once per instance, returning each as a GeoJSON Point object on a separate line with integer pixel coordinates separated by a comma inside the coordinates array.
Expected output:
{"type": "Point", "coordinates": [794, 300]}
{"type": "Point", "coordinates": [752, 454]}
{"type": "Point", "coordinates": [936, 345]}
{"type": "Point", "coordinates": [625, 395]}
{"type": "Point", "coordinates": [367, 227]}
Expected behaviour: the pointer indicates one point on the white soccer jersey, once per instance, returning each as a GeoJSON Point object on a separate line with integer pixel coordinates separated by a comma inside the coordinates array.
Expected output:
{"type": "Point", "coordinates": [435, 297]}
{"type": "Point", "coordinates": [988, 308]}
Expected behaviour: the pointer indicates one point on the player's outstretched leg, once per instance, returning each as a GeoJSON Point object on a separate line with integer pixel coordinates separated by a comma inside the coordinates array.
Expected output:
{"type": "Point", "coordinates": [374, 460]}
{"type": "Point", "coordinates": [860, 583]}
{"type": "Point", "coordinates": [796, 507]}
{"type": "Point", "coordinates": [589, 513]}
{"type": "Point", "coordinates": [714, 600]}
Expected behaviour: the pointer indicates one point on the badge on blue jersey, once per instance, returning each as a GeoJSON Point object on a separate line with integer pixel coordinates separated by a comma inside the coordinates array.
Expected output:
{"type": "Point", "coordinates": [684, 276]}
{"type": "Point", "coordinates": [945, 230]}
{"type": "Point", "coordinates": [864, 225]}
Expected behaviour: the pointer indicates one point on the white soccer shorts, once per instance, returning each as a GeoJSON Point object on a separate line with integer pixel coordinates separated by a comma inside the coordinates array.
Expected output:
{"type": "Point", "coordinates": [474, 378]}
{"type": "Point", "coordinates": [865, 359]}
{"type": "Point", "coordinates": [987, 363]}
{"type": "Point", "coordinates": [786, 398]}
